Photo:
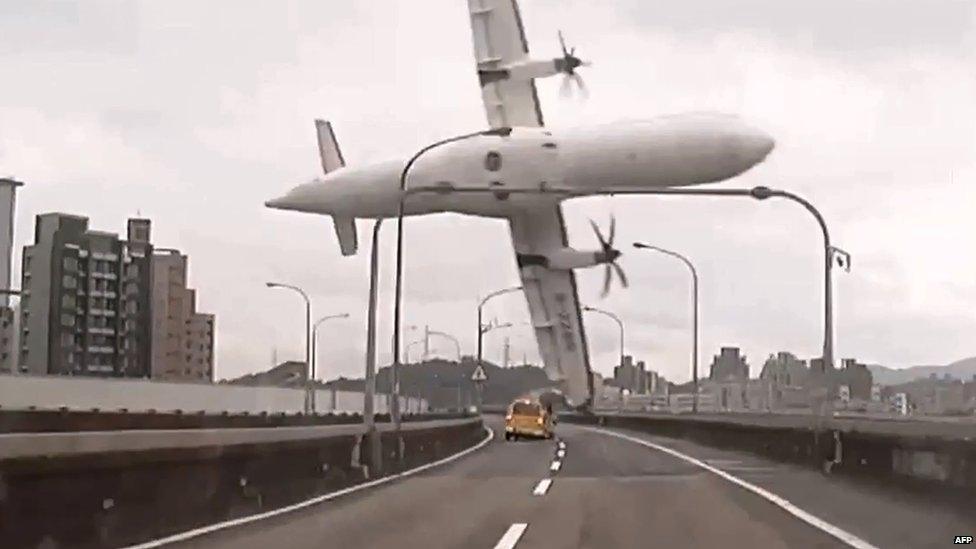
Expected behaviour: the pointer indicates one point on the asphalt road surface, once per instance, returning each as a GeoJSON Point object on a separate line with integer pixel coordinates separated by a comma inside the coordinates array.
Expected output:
{"type": "Point", "coordinates": [607, 491]}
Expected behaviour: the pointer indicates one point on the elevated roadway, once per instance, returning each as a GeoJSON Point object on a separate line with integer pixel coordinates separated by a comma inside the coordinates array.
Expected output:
{"type": "Point", "coordinates": [611, 488]}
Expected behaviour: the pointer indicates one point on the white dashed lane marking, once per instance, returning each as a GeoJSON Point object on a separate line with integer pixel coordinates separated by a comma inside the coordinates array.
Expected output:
{"type": "Point", "coordinates": [511, 536]}
{"type": "Point", "coordinates": [555, 466]}
{"type": "Point", "coordinates": [542, 487]}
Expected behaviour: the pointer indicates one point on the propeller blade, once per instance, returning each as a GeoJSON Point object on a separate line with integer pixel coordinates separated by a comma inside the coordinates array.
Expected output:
{"type": "Point", "coordinates": [566, 88]}
{"type": "Point", "coordinates": [606, 282]}
{"type": "Point", "coordinates": [603, 243]}
{"type": "Point", "coordinates": [620, 273]}
{"type": "Point", "coordinates": [579, 83]}
{"type": "Point", "coordinates": [562, 43]}
{"type": "Point", "coordinates": [613, 229]}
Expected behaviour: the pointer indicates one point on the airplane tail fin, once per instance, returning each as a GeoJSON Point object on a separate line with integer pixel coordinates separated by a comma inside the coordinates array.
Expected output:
{"type": "Point", "coordinates": [328, 147]}
{"type": "Point", "coordinates": [331, 156]}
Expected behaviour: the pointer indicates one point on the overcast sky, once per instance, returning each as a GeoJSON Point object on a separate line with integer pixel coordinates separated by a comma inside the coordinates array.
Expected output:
{"type": "Point", "coordinates": [194, 113]}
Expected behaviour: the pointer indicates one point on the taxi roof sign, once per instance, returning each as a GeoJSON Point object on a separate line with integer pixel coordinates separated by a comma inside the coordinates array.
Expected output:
{"type": "Point", "coordinates": [479, 374]}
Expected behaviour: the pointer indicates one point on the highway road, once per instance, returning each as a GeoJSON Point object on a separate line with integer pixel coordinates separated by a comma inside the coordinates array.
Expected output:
{"type": "Point", "coordinates": [608, 491]}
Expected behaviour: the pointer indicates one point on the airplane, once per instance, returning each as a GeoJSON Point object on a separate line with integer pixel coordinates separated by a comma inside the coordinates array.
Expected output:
{"type": "Point", "coordinates": [665, 151]}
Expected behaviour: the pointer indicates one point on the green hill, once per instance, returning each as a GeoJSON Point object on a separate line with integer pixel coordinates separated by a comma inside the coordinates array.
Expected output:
{"type": "Point", "coordinates": [447, 384]}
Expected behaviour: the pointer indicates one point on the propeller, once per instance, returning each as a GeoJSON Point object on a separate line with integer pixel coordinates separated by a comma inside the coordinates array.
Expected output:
{"type": "Point", "coordinates": [567, 65]}
{"type": "Point", "coordinates": [609, 255]}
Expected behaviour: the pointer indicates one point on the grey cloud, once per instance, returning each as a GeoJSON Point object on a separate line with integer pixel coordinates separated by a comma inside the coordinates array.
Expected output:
{"type": "Point", "coordinates": [842, 28]}
{"type": "Point", "coordinates": [211, 114]}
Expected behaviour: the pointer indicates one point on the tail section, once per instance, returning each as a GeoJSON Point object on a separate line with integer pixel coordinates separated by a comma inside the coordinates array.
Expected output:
{"type": "Point", "coordinates": [331, 156]}
{"type": "Point", "coordinates": [328, 147]}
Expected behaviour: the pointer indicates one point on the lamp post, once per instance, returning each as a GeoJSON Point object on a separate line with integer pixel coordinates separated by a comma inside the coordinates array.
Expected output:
{"type": "Point", "coordinates": [398, 290]}
{"type": "Point", "coordinates": [369, 391]}
{"type": "Point", "coordinates": [309, 398]}
{"type": "Point", "coordinates": [406, 350]}
{"type": "Point", "coordinates": [830, 253]}
{"type": "Point", "coordinates": [619, 323]}
{"type": "Point", "coordinates": [315, 332]}
{"type": "Point", "coordinates": [457, 344]}
{"type": "Point", "coordinates": [482, 329]}
{"type": "Point", "coordinates": [694, 291]}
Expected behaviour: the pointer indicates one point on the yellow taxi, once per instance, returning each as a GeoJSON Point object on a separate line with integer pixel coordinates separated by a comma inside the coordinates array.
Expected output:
{"type": "Point", "coordinates": [527, 417]}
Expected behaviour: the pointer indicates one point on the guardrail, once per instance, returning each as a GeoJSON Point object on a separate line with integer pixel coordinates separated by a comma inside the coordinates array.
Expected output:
{"type": "Point", "coordinates": [65, 420]}
{"type": "Point", "coordinates": [113, 488]}
{"type": "Point", "coordinates": [923, 454]}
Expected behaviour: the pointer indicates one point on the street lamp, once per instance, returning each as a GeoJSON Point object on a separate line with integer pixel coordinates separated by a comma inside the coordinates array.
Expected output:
{"type": "Point", "coordinates": [406, 350]}
{"type": "Point", "coordinates": [694, 286]}
{"type": "Point", "coordinates": [309, 398]}
{"type": "Point", "coordinates": [482, 329]}
{"type": "Point", "coordinates": [619, 323]}
{"type": "Point", "coordinates": [457, 344]}
{"type": "Point", "coordinates": [831, 253]}
{"type": "Point", "coordinates": [315, 328]}
{"type": "Point", "coordinates": [398, 291]}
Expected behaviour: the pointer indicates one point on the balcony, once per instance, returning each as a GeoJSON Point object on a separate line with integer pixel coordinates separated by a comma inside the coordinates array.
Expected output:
{"type": "Point", "coordinates": [100, 349]}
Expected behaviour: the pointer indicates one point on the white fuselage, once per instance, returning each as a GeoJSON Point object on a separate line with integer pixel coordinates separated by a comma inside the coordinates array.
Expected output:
{"type": "Point", "coordinates": [668, 151]}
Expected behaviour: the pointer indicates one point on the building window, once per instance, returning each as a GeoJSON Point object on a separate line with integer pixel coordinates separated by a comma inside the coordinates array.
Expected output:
{"type": "Point", "coordinates": [69, 282]}
{"type": "Point", "coordinates": [70, 264]}
{"type": "Point", "coordinates": [67, 319]}
{"type": "Point", "coordinates": [68, 301]}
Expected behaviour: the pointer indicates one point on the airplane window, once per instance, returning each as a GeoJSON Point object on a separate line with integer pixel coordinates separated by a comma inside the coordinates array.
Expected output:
{"type": "Point", "coordinates": [493, 161]}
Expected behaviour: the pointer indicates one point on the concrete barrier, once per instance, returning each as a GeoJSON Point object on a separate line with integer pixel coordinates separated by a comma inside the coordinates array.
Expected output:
{"type": "Point", "coordinates": [923, 454]}
{"type": "Point", "coordinates": [24, 392]}
{"type": "Point", "coordinates": [46, 421]}
{"type": "Point", "coordinates": [99, 489]}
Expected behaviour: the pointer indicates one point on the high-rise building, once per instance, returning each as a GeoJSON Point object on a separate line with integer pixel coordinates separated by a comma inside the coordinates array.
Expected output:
{"type": "Point", "coordinates": [8, 326]}
{"type": "Point", "coordinates": [856, 377]}
{"type": "Point", "coordinates": [183, 339]}
{"type": "Point", "coordinates": [635, 378]}
{"type": "Point", "coordinates": [784, 369]}
{"type": "Point", "coordinates": [85, 306]}
{"type": "Point", "coordinates": [729, 365]}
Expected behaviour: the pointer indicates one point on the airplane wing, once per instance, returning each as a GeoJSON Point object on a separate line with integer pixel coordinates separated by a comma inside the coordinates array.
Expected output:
{"type": "Point", "coordinates": [553, 300]}
{"type": "Point", "coordinates": [499, 40]}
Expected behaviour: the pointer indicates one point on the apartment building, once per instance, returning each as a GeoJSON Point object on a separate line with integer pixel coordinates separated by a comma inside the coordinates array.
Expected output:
{"type": "Point", "coordinates": [183, 339]}
{"type": "Point", "coordinates": [85, 307]}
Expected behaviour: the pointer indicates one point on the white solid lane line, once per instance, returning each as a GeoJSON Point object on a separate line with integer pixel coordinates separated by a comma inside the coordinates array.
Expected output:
{"type": "Point", "coordinates": [843, 535]}
{"type": "Point", "coordinates": [555, 466]}
{"type": "Point", "coordinates": [542, 487]}
{"type": "Point", "coordinates": [512, 535]}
